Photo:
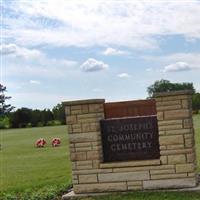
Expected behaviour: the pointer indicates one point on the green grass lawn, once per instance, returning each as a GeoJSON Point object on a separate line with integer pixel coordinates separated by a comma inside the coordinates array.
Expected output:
{"type": "Point", "coordinates": [25, 167]}
{"type": "Point", "coordinates": [196, 120]}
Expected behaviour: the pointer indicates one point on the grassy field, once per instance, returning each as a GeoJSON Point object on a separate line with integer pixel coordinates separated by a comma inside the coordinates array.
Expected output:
{"type": "Point", "coordinates": [25, 167]}
{"type": "Point", "coordinates": [196, 120]}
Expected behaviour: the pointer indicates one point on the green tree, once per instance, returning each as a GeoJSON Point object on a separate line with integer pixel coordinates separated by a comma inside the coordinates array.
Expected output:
{"type": "Point", "coordinates": [36, 117]}
{"type": "Point", "coordinates": [166, 86]}
{"type": "Point", "coordinates": [196, 102]}
{"type": "Point", "coordinates": [59, 113]}
{"type": "Point", "coordinates": [46, 116]}
{"type": "Point", "coordinates": [4, 122]}
{"type": "Point", "coordinates": [4, 108]}
{"type": "Point", "coordinates": [20, 118]}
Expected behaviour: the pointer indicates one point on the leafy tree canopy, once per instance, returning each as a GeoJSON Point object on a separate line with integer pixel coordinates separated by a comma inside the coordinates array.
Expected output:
{"type": "Point", "coordinates": [166, 86]}
{"type": "Point", "coordinates": [196, 102]}
{"type": "Point", "coordinates": [4, 108]}
{"type": "Point", "coordinates": [59, 113]}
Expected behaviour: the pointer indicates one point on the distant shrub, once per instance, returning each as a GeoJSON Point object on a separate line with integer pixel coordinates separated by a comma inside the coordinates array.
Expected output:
{"type": "Point", "coordinates": [40, 124]}
{"type": "Point", "coordinates": [29, 125]}
{"type": "Point", "coordinates": [196, 112]}
{"type": "Point", "coordinates": [22, 125]}
{"type": "Point", "coordinates": [53, 123]}
{"type": "Point", "coordinates": [4, 122]}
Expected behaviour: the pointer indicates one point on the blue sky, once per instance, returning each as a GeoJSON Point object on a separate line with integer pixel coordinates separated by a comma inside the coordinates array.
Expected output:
{"type": "Point", "coordinates": [58, 50]}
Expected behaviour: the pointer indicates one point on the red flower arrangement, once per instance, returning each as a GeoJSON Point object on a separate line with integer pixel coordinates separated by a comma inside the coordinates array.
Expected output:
{"type": "Point", "coordinates": [40, 142]}
{"type": "Point", "coordinates": [56, 142]}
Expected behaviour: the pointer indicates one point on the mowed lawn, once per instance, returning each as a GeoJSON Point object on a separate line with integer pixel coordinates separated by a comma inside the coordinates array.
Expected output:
{"type": "Point", "coordinates": [196, 121]}
{"type": "Point", "coordinates": [23, 166]}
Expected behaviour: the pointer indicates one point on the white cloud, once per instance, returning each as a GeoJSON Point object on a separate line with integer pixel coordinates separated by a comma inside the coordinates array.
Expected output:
{"type": "Point", "coordinates": [179, 61]}
{"type": "Point", "coordinates": [112, 52]}
{"type": "Point", "coordinates": [92, 65]}
{"type": "Point", "coordinates": [178, 66]}
{"type": "Point", "coordinates": [192, 58]}
{"type": "Point", "coordinates": [8, 49]}
{"type": "Point", "coordinates": [33, 62]}
{"type": "Point", "coordinates": [124, 75]}
{"type": "Point", "coordinates": [35, 82]}
{"type": "Point", "coordinates": [104, 23]}
{"type": "Point", "coordinates": [18, 51]}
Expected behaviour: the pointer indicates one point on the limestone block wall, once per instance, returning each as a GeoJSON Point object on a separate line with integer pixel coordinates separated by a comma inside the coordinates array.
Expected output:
{"type": "Point", "coordinates": [176, 167]}
{"type": "Point", "coordinates": [82, 119]}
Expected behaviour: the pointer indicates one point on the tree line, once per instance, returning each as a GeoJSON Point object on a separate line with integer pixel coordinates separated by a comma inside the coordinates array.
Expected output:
{"type": "Point", "coordinates": [26, 117]}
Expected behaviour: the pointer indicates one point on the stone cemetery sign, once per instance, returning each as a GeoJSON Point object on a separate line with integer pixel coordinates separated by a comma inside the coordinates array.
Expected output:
{"type": "Point", "coordinates": [134, 145]}
{"type": "Point", "coordinates": [126, 139]}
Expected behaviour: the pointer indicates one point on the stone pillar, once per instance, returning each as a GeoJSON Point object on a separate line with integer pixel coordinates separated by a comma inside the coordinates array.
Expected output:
{"type": "Point", "coordinates": [82, 119]}
{"type": "Point", "coordinates": [176, 133]}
